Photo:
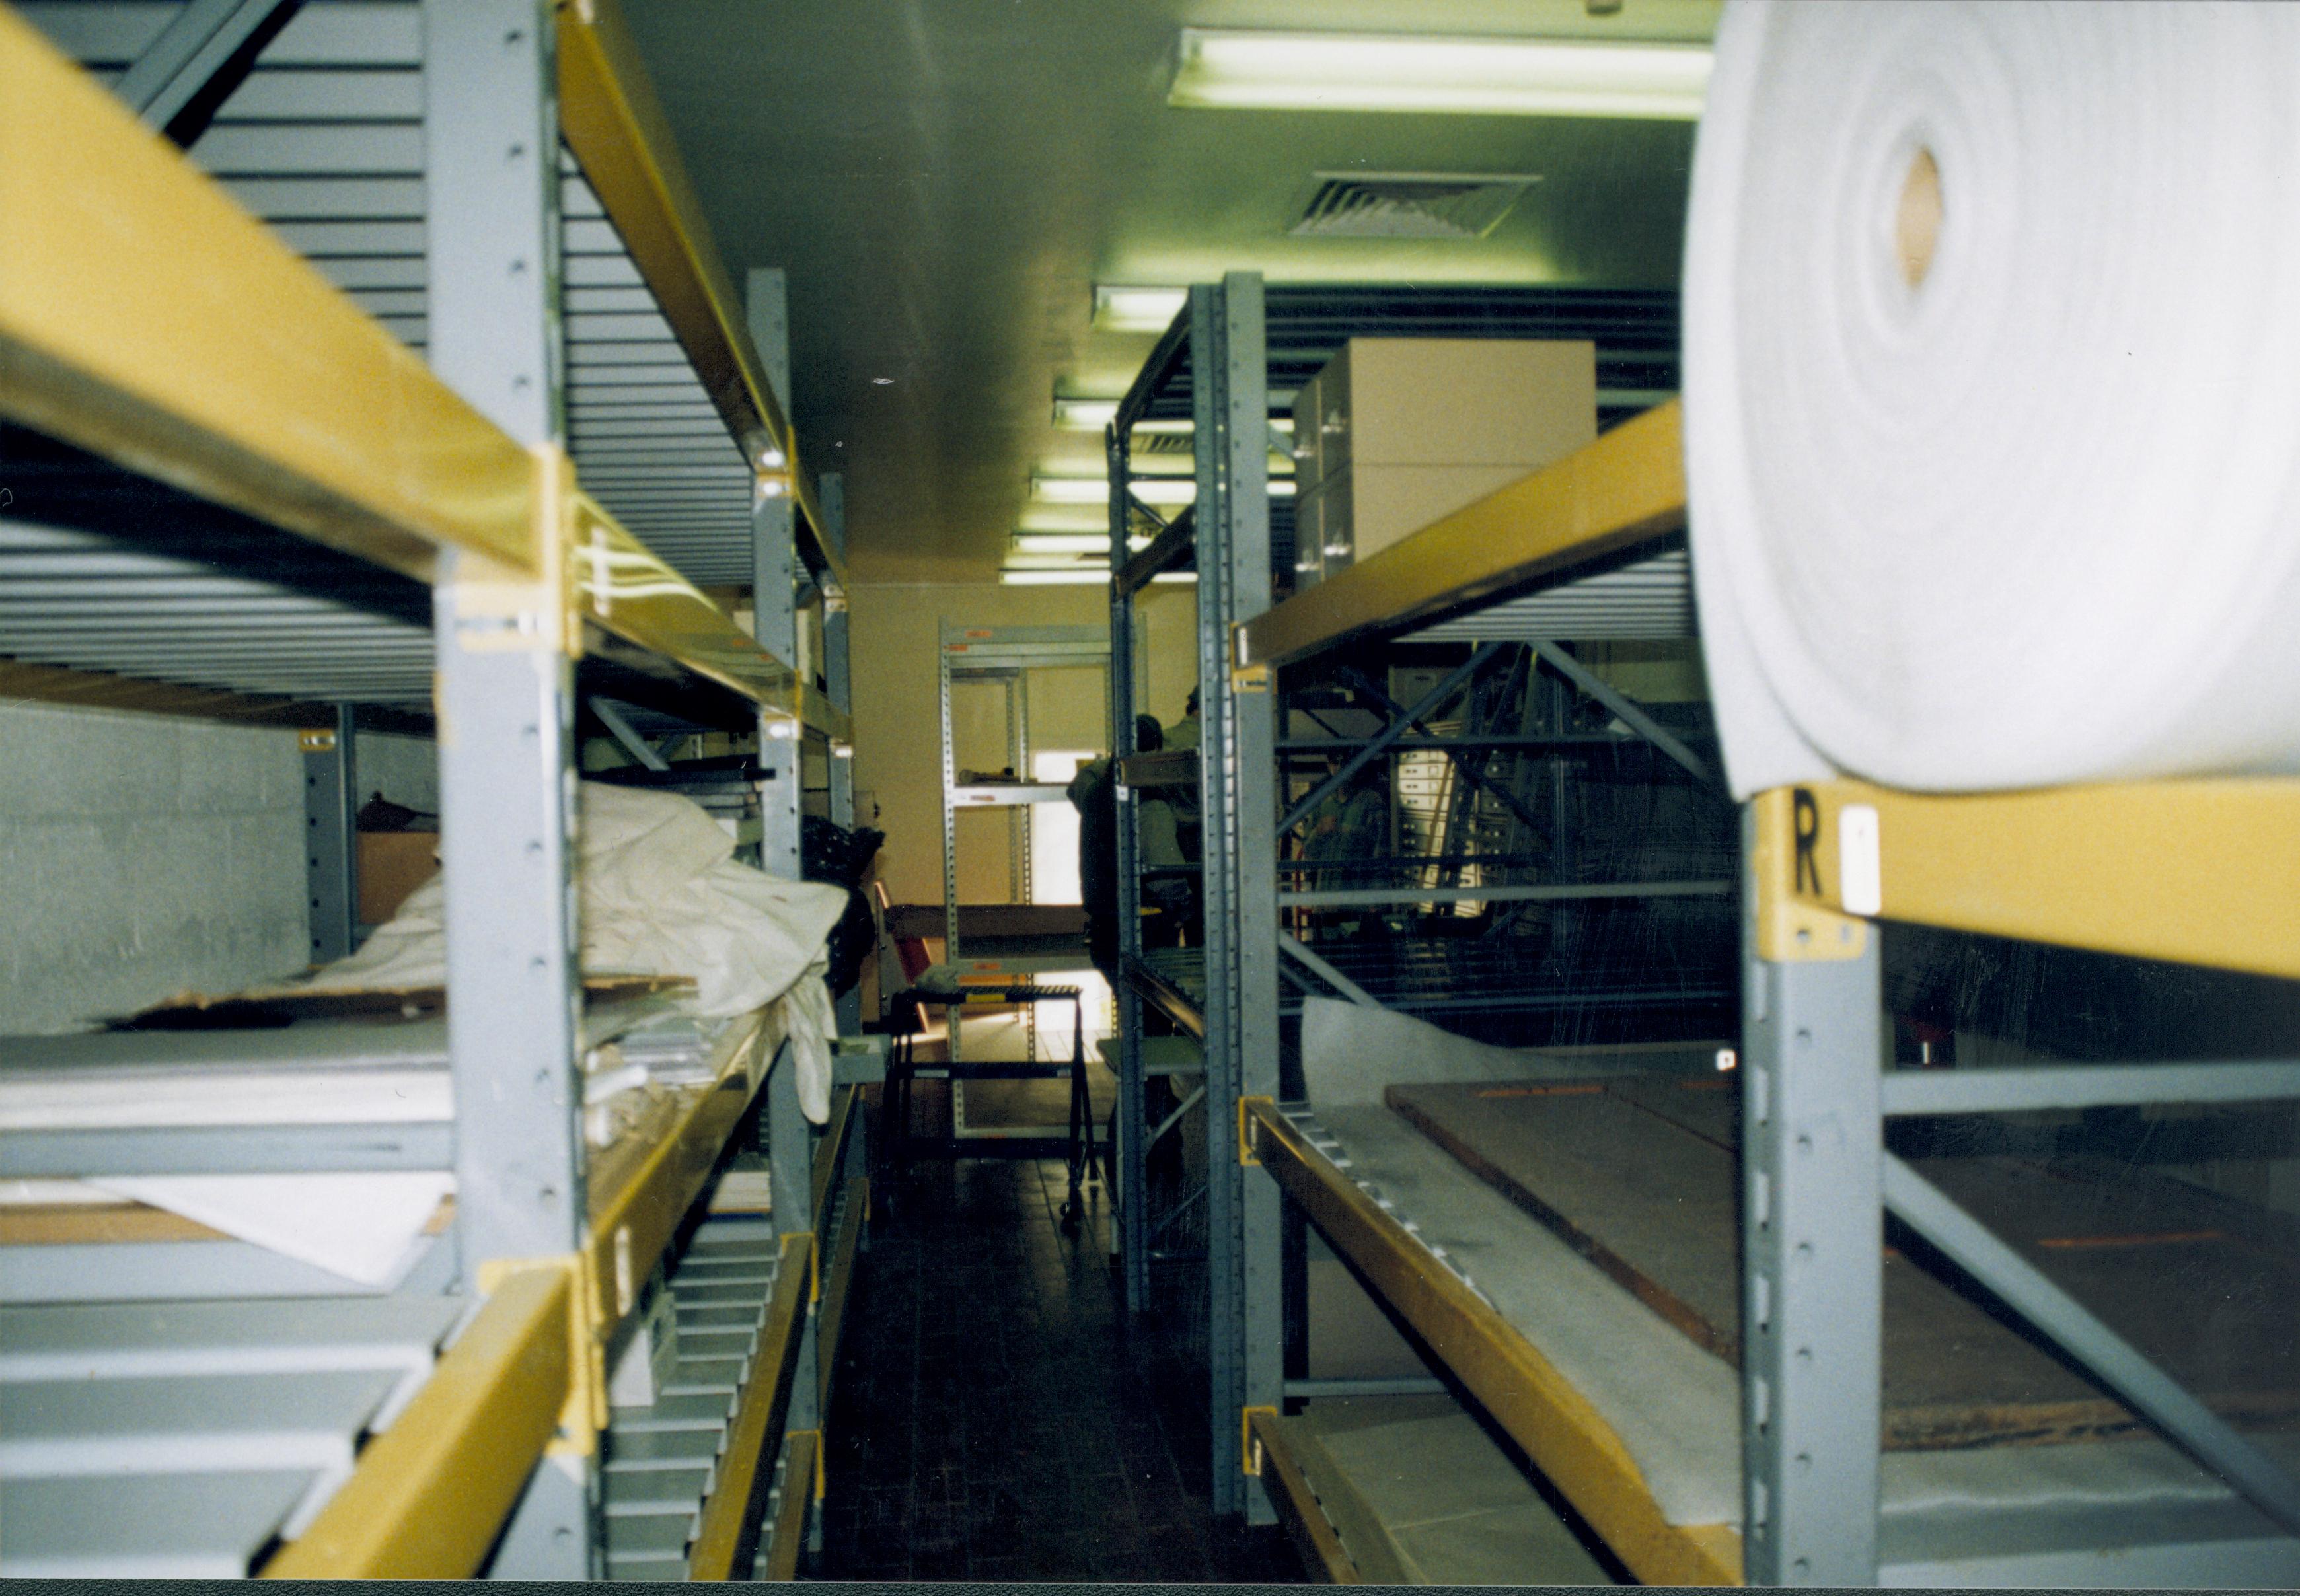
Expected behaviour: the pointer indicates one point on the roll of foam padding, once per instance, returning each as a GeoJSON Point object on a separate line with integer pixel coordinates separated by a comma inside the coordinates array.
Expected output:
{"type": "Point", "coordinates": [1992, 391]}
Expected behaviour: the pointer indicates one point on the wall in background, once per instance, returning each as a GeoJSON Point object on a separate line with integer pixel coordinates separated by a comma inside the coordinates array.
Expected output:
{"type": "Point", "coordinates": [894, 633]}
{"type": "Point", "coordinates": [404, 769]}
{"type": "Point", "coordinates": [142, 855]}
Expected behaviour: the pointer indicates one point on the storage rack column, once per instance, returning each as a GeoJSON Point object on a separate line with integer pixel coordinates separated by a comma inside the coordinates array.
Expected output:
{"type": "Point", "coordinates": [1232, 992]}
{"type": "Point", "coordinates": [2065, 866]}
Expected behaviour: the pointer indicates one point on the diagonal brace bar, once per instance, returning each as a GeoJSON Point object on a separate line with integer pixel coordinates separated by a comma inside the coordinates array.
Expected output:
{"type": "Point", "coordinates": [1630, 713]}
{"type": "Point", "coordinates": [1402, 722]}
{"type": "Point", "coordinates": [2196, 1428]}
{"type": "Point", "coordinates": [1292, 948]}
{"type": "Point", "coordinates": [1472, 770]}
{"type": "Point", "coordinates": [201, 56]}
{"type": "Point", "coordinates": [622, 731]}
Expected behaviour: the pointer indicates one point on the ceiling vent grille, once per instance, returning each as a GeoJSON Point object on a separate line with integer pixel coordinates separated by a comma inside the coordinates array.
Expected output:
{"type": "Point", "coordinates": [1409, 205]}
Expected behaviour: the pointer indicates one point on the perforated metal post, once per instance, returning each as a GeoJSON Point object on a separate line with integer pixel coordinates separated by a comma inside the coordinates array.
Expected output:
{"type": "Point", "coordinates": [831, 497]}
{"type": "Point", "coordinates": [774, 586]}
{"type": "Point", "coordinates": [1245, 1269]}
{"type": "Point", "coordinates": [1811, 1259]}
{"type": "Point", "coordinates": [330, 836]}
{"type": "Point", "coordinates": [1133, 1116]}
{"type": "Point", "coordinates": [506, 707]}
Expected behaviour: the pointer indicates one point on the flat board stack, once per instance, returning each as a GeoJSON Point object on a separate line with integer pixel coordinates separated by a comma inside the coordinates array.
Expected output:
{"type": "Point", "coordinates": [1638, 1174]}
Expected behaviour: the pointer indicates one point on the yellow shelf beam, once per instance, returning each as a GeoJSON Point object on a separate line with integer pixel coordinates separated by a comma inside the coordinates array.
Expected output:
{"type": "Point", "coordinates": [802, 1457]}
{"type": "Point", "coordinates": [837, 1279]}
{"type": "Point", "coordinates": [624, 587]}
{"type": "Point", "coordinates": [1625, 490]}
{"type": "Point", "coordinates": [636, 1210]}
{"type": "Point", "coordinates": [1566, 1437]}
{"type": "Point", "coordinates": [730, 1514]}
{"type": "Point", "coordinates": [2203, 872]}
{"type": "Point", "coordinates": [828, 1148]}
{"type": "Point", "coordinates": [145, 317]}
{"type": "Point", "coordinates": [1295, 1499]}
{"type": "Point", "coordinates": [430, 1492]}
{"type": "Point", "coordinates": [613, 122]}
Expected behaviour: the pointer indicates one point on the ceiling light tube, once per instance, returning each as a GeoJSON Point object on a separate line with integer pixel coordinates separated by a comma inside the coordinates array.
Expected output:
{"type": "Point", "coordinates": [1062, 543]}
{"type": "Point", "coordinates": [1082, 576]}
{"type": "Point", "coordinates": [1119, 307]}
{"type": "Point", "coordinates": [1267, 69]}
{"type": "Point", "coordinates": [1165, 491]}
{"type": "Point", "coordinates": [1020, 561]}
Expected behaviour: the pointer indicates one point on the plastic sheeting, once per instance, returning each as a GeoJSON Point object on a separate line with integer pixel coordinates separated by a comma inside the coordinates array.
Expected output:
{"type": "Point", "coordinates": [1995, 466]}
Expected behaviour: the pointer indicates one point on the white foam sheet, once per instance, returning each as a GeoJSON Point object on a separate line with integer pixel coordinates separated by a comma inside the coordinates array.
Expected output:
{"type": "Point", "coordinates": [2034, 517]}
{"type": "Point", "coordinates": [661, 894]}
{"type": "Point", "coordinates": [363, 1226]}
{"type": "Point", "coordinates": [1676, 1407]}
{"type": "Point", "coordinates": [1351, 1052]}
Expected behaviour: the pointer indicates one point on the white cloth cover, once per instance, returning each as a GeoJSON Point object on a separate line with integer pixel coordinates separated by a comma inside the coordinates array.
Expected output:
{"type": "Point", "coordinates": [2036, 518]}
{"type": "Point", "coordinates": [660, 896]}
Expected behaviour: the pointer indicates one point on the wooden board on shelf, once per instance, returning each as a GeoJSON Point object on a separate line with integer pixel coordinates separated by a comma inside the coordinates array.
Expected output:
{"type": "Point", "coordinates": [1639, 1175]}
{"type": "Point", "coordinates": [261, 1006]}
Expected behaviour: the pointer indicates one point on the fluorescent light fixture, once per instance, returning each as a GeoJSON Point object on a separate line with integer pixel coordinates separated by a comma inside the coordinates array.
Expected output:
{"type": "Point", "coordinates": [1065, 518]}
{"type": "Point", "coordinates": [1084, 415]}
{"type": "Point", "coordinates": [1078, 577]}
{"type": "Point", "coordinates": [1061, 543]}
{"type": "Point", "coordinates": [1190, 576]}
{"type": "Point", "coordinates": [1020, 561]}
{"type": "Point", "coordinates": [1172, 491]}
{"type": "Point", "coordinates": [1266, 70]}
{"type": "Point", "coordinates": [1095, 415]}
{"type": "Point", "coordinates": [1119, 307]}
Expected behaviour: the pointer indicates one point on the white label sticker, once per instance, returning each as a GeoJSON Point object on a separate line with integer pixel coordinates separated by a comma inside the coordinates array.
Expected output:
{"type": "Point", "coordinates": [1861, 878]}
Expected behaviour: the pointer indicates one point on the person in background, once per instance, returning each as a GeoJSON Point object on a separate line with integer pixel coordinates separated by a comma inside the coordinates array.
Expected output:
{"type": "Point", "coordinates": [1188, 828]}
{"type": "Point", "coordinates": [1184, 734]}
{"type": "Point", "coordinates": [1094, 793]}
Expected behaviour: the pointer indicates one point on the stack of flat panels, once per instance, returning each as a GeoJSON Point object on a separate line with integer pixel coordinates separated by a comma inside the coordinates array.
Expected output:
{"type": "Point", "coordinates": [184, 1440]}
{"type": "Point", "coordinates": [662, 1460]}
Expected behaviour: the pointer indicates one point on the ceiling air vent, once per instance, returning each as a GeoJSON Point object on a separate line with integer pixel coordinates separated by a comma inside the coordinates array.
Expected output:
{"type": "Point", "coordinates": [1409, 205]}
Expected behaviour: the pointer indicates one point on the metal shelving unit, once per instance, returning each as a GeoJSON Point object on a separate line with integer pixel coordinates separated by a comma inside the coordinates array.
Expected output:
{"type": "Point", "coordinates": [1234, 346]}
{"type": "Point", "coordinates": [302, 528]}
{"type": "Point", "coordinates": [1790, 1464]}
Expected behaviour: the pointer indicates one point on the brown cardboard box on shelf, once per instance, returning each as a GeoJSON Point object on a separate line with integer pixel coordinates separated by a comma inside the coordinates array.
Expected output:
{"type": "Point", "coordinates": [1396, 433]}
{"type": "Point", "coordinates": [392, 864]}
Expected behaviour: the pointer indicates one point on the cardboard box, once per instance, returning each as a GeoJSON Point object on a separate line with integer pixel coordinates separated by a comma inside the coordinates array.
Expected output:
{"type": "Point", "coordinates": [392, 864]}
{"type": "Point", "coordinates": [1396, 433]}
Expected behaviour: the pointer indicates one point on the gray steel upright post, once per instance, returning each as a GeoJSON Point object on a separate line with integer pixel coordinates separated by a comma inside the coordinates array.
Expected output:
{"type": "Point", "coordinates": [1133, 1117]}
{"type": "Point", "coordinates": [507, 708]}
{"type": "Point", "coordinates": [1811, 1248]}
{"type": "Point", "coordinates": [839, 686]}
{"type": "Point", "coordinates": [331, 836]}
{"type": "Point", "coordinates": [1250, 748]}
{"type": "Point", "coordinates": [1237, 760]}
{"type": "Point", "coordinates": [774, 590]}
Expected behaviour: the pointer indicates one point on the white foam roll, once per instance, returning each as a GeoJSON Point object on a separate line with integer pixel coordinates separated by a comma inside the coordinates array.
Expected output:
{"type": "Point", "coordinates": [2026, 509]}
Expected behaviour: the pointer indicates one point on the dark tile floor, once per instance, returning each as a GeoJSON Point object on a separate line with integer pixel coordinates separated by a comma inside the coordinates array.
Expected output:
{"type": "Point", "coordinates": [997, 1416]}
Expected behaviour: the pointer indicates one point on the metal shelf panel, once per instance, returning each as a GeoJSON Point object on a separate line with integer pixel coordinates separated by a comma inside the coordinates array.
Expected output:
{"type": "Point", "coordinates": [127, 282]}
{"type": "Point", "coordinates": [1626, 489]}
{"type": "Point", "coordinates": [614, 124]}
{"type": "Point", "coordinates": [1564, 1435]}
{"type": "Point", "coordinates": [209, 1524]}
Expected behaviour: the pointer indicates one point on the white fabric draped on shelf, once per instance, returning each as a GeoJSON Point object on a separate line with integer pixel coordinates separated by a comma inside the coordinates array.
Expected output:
{"type": "Point", "coordinates": [660, 895]}
{"type": "Point", "coordinates": [1992, 392]}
